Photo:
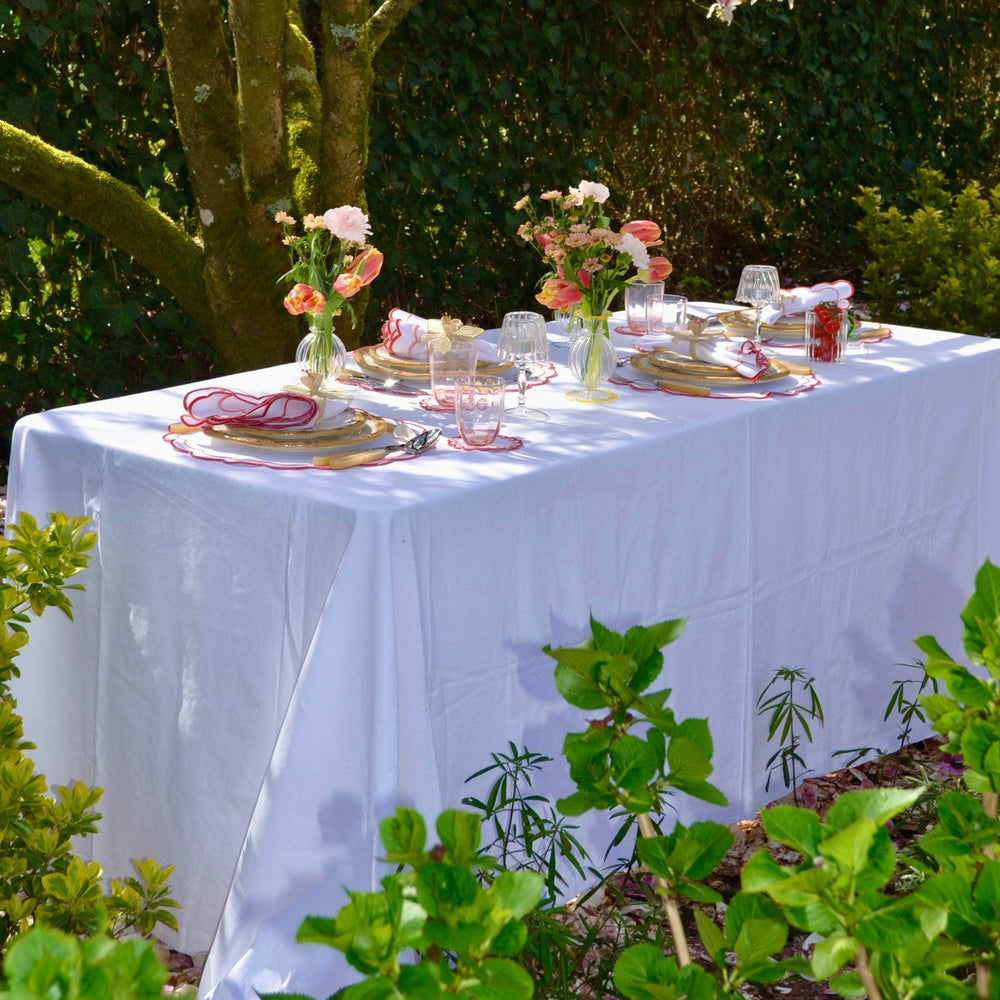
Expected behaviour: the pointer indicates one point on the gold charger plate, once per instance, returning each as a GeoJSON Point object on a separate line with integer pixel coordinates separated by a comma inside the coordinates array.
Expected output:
{"type": "Point", "coordinates": [741, 321]}
{"type": "Point", "coordinates": [362, 427]}
{"type": "Point", "coordinates": [375, 358]}
{"type": "Point", "coordinates": [660, 364]}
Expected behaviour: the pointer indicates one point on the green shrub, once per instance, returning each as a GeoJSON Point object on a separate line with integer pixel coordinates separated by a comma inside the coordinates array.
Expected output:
{"type": "Point", "coordinates": [41, 881]}
{"type": "Point", "coordinates": [938, 265]}
{"type": "Point", "coordinates": [46, 964]}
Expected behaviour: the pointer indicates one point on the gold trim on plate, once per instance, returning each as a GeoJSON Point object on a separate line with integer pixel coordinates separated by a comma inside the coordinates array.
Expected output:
{"type": "Point", "coordinates": [363, 427]}
{"type": "Point", "coordinates": [675, 366]}
{"type": "Point", "coordinates": [375, 358]}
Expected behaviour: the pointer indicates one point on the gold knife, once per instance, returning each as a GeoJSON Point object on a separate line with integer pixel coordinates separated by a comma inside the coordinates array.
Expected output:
{"type": "Point", "coordinates": [796, 367]}
{"type": "Point", "coordinates": [683, 388]}
{"type": "Point", "coordinates": [368, 456]}
{"type": "Point", "coordinates": [347, 460]}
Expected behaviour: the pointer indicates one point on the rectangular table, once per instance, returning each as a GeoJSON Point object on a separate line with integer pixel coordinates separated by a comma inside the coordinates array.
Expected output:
{"type": "Point", "coordinates": [265, 662]}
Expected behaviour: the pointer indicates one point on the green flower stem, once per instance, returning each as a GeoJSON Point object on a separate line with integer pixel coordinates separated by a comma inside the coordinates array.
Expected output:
{"type": "Point", "coordinates": [673, 914]}
{"type": "Point", "coordinates": [594, 326]}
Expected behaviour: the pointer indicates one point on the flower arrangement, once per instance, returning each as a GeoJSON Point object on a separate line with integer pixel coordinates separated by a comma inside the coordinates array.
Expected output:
{"type": "Point", "coordinates": [589, 261]}
{"type": "Point", "coordinates": [332, 261]}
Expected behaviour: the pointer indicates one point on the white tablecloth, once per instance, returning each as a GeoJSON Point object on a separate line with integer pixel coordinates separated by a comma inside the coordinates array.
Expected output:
{"type": "Point", "coordinates": [264, 663]}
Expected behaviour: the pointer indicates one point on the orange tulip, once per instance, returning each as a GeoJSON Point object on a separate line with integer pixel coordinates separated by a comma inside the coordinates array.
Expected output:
{"type": "Point", "coordinates": [304, 298]}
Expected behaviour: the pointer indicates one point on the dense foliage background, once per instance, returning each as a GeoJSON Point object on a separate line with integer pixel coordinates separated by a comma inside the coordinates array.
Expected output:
{"type": "Point", "coordinates": [747, 142]}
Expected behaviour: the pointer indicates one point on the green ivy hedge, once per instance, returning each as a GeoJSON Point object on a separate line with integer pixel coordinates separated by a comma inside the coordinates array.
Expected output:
{"type": "Point", "coordinates": [746, 142]}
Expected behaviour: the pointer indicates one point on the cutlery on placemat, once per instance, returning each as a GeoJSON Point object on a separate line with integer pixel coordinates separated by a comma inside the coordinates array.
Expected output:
{"type": "Point", "coordinates": [366, 456]}
{"type": "Point", "coordinates": [387, 382]}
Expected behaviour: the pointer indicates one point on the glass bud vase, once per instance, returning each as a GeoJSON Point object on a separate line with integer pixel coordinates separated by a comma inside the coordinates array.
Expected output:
{"type": "Point", "coordinates": [592, 360]}
{"type": "Point", "coordinates": [321, 356]}
{"type": "Point", "coordinates": [568, 323]}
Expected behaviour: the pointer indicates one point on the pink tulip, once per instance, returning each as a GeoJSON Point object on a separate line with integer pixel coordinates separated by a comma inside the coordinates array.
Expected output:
{"type": "Point", "coordinates": [659, 268]}
{"type": "Point", "coordinates": [348, 284]}
{"type": "Point", "coordinates": [368, 266]}
{"type": "Point", "coordinates": [304, 298]}
{"type": "Point", "coordinates": [362, 271]}
{"type": "Point", "coordinates": [645, 231]}
{"type": "Point", "coordinates": [559, 294]}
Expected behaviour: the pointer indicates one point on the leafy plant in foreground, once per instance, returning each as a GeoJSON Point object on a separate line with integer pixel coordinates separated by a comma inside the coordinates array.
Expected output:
{"type": "Point", "coordinates": [41, 881]}
{"type": "Point", "coordinates": [464, 934]}
{"type": "Point", "coordinates": [527, 833]}
{"type": "Point", "coordinates": [47, 964]}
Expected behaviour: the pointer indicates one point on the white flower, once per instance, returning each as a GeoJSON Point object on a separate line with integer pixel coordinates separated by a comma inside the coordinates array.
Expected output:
{"type": "Point", "coordinates": [724, 9]}
{"type": "Point", "coordinates": [636, 249]}
{"type": "Point", "coordinates": [591, 189]}
{"type": "Point", "coordinates": [347, 223]}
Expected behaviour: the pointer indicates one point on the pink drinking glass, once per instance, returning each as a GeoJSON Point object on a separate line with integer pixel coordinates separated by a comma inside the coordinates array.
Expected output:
{"type": "Point", "coordinates": [479, 401]}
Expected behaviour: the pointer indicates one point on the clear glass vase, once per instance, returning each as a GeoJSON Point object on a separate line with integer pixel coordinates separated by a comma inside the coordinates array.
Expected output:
{"type": "Point", "coordinates": [321, 356]}
{"type": "Point", "coordinates": [568, 323]}
{"type": "Point", "coordinates": [592, 360]}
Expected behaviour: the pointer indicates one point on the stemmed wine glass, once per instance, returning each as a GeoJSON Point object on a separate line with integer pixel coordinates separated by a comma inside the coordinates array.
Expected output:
{"type": "Point", "coordinates": [758, 287]}
{"type": "Point", "coordinates": [523, 340]}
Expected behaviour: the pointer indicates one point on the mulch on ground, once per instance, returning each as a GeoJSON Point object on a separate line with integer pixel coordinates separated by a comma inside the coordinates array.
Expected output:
{"type": "Point", "coordinates": [627, 901]}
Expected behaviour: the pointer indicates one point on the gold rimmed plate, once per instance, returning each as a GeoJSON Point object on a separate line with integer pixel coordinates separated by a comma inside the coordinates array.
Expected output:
{"type": "Point", "coordinates": [360, 427]}
{"type": "Point", "coordinates": [660, 364]}
{"type": "Point", "coordinates": [375, 358]}
{"type": "Point", "coordinates": [741, 321]}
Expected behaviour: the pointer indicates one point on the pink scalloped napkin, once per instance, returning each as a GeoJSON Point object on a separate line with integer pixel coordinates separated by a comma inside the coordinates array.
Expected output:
{"type": "Point", "coordinates": [740, 356]}
{"type": "Point", "coordinates": [278, 410]}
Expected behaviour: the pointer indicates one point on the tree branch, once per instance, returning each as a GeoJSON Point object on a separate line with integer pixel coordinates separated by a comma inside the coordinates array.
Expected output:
{"type": "Point", "coordinates": [202, 83]}
{"type": "Point", "coordinates": [118, 212]}
{"type": "Point", "coordinates": [385, 19]}
{"type": "Point", "coordinates": [258, 28]}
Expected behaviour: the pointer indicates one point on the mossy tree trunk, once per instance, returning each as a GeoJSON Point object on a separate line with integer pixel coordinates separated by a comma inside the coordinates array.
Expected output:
{"type": "Point", "coordinates": [262, 130]}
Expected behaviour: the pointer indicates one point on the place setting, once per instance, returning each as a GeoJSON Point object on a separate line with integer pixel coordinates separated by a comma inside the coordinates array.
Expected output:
{"type": "Point", "coordinates": [420, 357]}
{"type": "Point", "coordinates": [695, 358]}
{"type": "Point", "coordinates": [291, 430]}
{"type": "Point", "coordinates": [784, 315]}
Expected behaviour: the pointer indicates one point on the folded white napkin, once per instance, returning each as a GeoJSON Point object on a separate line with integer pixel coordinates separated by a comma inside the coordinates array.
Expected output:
{"type": "Point", "coordinates": [278, 411]}
{"type": "Point", "coordinates": [798, 301]}
{"type": "Point", "coordinates": [405, 335]}
{"type": "Point", "coordinates": [738, 355]}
